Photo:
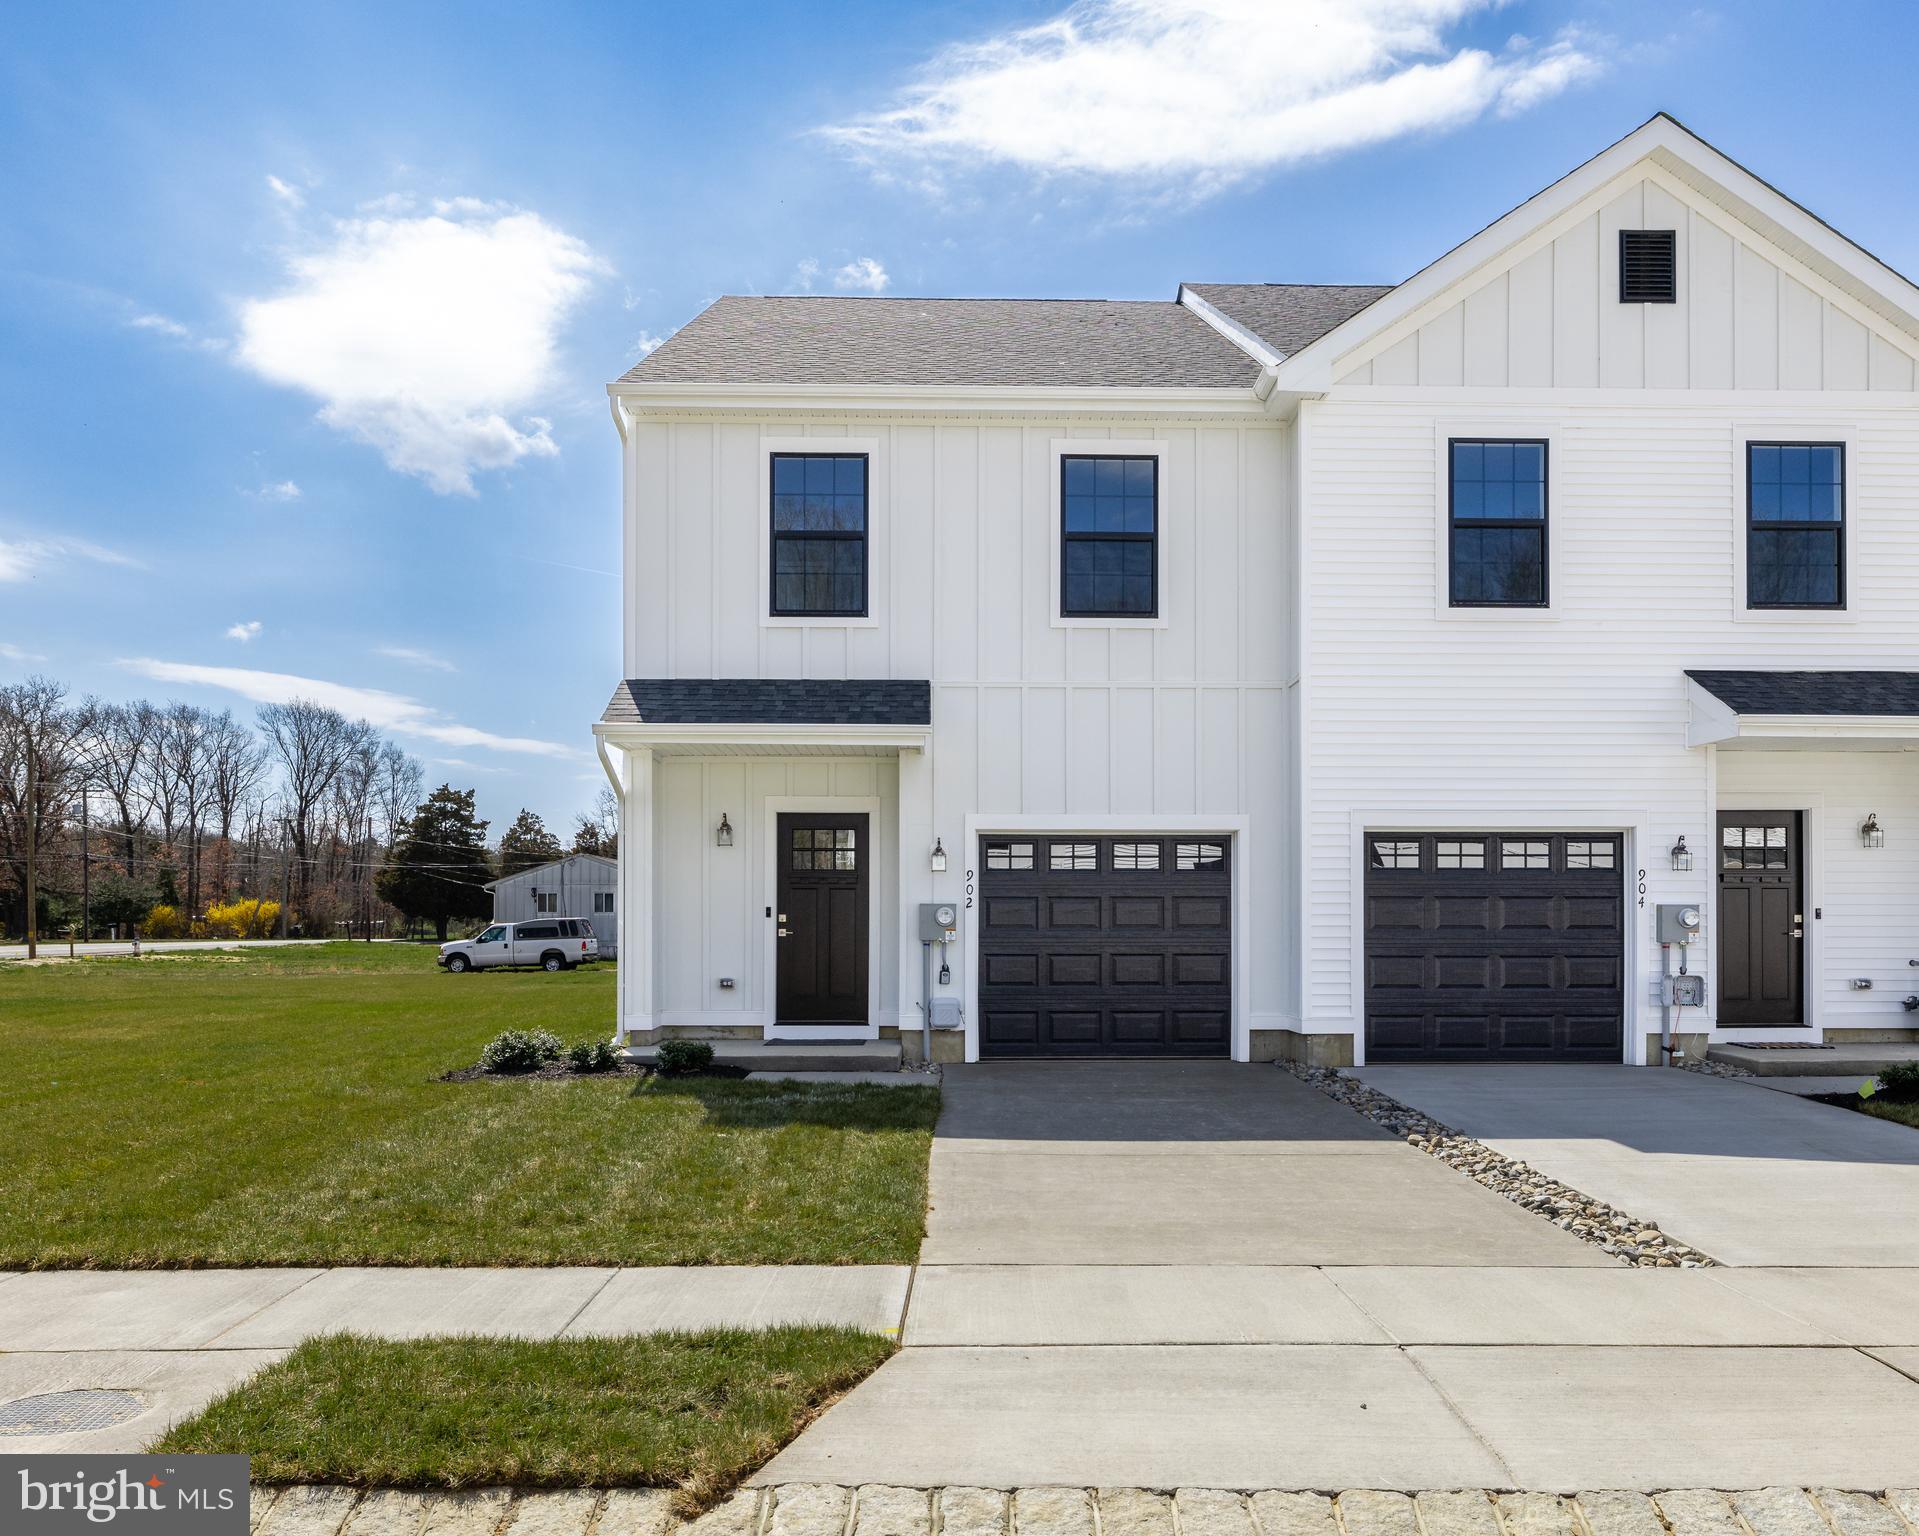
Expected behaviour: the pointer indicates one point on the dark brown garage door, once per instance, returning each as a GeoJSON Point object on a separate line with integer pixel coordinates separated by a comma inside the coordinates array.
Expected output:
{"type": "Point", "coordinates": [1505, 946]}
{"type": "Point", "coordinates": [1105, 946]}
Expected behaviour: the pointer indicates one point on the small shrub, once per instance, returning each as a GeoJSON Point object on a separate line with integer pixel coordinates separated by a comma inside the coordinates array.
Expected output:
{"type": "Point", "coordinates": [520, 1050]}
{"type": "Point", "coordinates": [163, 921]}
{"type": "Point", "coordinates": [1900, 1082]}
{"type": "Point", "coordinates": [592, 1056]}
{"type": "Point", "coordinates": [676, 1058]}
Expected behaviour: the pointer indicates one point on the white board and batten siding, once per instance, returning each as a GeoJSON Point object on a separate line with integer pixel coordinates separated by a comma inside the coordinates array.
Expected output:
{"type": "Point", "coordinates": [1415, 714]}
{"type": "Point", "coordinates": [1122, 724]}
{"type": "Point", "coordinates": [583, 884]}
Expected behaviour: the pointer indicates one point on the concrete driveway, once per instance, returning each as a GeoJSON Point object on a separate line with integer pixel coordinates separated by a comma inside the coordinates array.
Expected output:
{"type": "Point", "coordinates": [1186, 1273]}
{"type": "Point", "coordinates": [1197, 1163]}
{"type": "Point", "coordinates": [1750, 1176]}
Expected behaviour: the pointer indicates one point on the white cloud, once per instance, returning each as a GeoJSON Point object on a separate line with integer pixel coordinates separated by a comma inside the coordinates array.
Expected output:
{"type": "Point", "coordinates": [244, 632]}
{"type": "Point", "coordinates": [1204, 92]}
{"type": "Point", "coordinates": [21, 559]}
{"type": "Point", "coordinates": [865, 274]}
{"type": "Point", "coordinates": [20, 654]}
{"type": "Point", "coordinates": [279, 490]}
{"type": "Point", "coordinates": [389, 711]}
{"type": "Point", "coordinates": [291, 195]}
{"type": "Point", "coordinates": [805, 275]}
{"type": "Point", "coordinates": [428, 336]}
{"type": "Point", "coordinates": [415, 657]}
{"type": "Point", "coordinates": [173, 330]}
{"type": "Point", "coordinates": [647, 345]}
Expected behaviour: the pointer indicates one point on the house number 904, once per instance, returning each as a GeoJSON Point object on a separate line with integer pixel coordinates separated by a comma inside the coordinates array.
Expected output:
{"type": "Point", "coordinates": [1642, 887]}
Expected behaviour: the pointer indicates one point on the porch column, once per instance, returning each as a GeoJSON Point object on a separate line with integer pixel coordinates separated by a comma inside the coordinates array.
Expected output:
{"type": "Point", "coordinates": [916, 833]}
{"type": "Point", "coordinates": [635, 997]}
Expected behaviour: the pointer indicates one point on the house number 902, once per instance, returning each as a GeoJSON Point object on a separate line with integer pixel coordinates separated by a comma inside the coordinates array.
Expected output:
{"type": "Point", "coordinates": [969, 888]}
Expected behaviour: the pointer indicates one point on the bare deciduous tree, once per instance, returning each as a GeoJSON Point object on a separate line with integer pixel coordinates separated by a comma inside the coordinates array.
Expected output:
{"type": "Point", "coordinates": [312, 745]}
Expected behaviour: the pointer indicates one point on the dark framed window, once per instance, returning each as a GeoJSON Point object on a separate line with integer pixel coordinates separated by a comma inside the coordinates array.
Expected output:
{"type": "Point", "coordinates": [1795, 525]}
{"type": "Point", "coordinates": [1648, 266]}
{"type": "Point", "coordinates": [1496, 522]}
{"type": "Point", "coordinates": [819, 535]}
{"type": "Point", "coordinates": [1109, 536]}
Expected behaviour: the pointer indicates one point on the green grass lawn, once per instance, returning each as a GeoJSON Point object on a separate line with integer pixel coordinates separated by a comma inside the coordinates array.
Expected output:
{"type": "Point", "coordinates": [280, 1107]}
{"type": "Point", "coordinates": [1886, 1109]}
{"type": "Point", "coordinates": [694, 1411]}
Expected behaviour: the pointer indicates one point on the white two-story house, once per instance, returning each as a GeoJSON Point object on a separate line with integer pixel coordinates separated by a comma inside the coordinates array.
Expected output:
{"type": "Point", "coordinates": [1321, 673]}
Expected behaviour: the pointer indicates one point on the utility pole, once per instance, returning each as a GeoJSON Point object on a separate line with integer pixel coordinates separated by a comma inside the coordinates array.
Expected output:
{"type": "Point", "coordinates": [86, 888]}
{"type": "Point", "coordinates": [33, 852]}
{"type": "Point", "coordinates": [286, 874]}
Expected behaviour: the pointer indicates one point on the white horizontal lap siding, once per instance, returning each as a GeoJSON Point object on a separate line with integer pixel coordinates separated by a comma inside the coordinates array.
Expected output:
{"type": "Point", "coordinates": [1869, 896]}
{"type": "Point", "coordinates": [1577, 714]}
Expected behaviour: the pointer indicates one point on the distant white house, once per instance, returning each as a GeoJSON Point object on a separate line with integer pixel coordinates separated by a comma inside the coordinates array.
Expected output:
{"type": "Point", "coordinates": [581, 885]}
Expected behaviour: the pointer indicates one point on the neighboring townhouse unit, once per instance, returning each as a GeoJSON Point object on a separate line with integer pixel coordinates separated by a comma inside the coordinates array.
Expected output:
{"type": "Point", "coordinates": [1327, 673]}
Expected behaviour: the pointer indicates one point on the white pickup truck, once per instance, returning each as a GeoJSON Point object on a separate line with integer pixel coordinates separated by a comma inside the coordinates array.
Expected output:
{"type": "Point", "coordinates": [552, 943]}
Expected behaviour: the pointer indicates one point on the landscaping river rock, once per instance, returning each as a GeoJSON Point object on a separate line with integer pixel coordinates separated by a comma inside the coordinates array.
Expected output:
{"type": "Point", "coordinates": [1627, 1238]}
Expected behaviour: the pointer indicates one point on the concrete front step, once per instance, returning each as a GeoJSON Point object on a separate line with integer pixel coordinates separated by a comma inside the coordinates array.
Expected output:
{"type": "Point", "coordinates": [1849, 1059]}
{"type": "Point", "coordinates": [792, 1055]}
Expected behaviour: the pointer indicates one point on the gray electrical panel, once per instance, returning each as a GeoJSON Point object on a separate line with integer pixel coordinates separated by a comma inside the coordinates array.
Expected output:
{"type": "Point", "coordinates": [946, 1013]}
{"type": "Point", "coordinates": [1677, 923]}
{"type": "Point", "coordinates": [1687, 991]}
{"type": "Point", "coordinates": [939, 922]}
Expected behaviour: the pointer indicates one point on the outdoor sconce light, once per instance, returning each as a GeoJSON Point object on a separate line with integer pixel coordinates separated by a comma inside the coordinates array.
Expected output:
{"type": "Point", "coordinates": [939, 857]}
{"type": "Point", "coordinates": [724, 837]}
{"type": "Point", "coordinates": [1870, 832]}
{"type": "Point", "coordinates": [1681, 854]}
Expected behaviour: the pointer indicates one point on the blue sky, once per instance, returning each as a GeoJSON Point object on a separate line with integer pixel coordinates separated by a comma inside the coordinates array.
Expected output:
{"type": "Point", "coordinates": [309, 310]}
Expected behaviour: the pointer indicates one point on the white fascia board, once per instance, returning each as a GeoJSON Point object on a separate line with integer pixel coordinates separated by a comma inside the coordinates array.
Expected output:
{"type": "Point", "coordinates": [1231, 329]}
{"type": "Point", "coordinates": [1665, 143]}
{"type": "Point", "coordinates": [1709, 718]}
{"type": "Point", "coordinates": [953, 400]}
{"type": "Point", "coordinates": [905, 738]}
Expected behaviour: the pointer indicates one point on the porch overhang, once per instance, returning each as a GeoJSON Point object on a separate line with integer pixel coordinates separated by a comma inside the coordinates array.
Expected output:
{"type": "Point", "coordinates": [769, 717]}
{"type": "Point", "coordinates": [1803, 710]}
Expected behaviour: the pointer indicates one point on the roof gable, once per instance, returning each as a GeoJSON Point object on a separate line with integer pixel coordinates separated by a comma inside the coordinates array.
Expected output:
{"type": "Point", "coordinates": [1660, 171]}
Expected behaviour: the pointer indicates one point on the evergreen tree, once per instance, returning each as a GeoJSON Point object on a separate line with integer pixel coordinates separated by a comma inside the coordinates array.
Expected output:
{"type": "Point", "coordinates": [527, 845]}
{"type": "Point", "coordinates": [438, 868]}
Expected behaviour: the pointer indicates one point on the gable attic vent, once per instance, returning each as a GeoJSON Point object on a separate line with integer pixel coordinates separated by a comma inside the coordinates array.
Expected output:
{"type": "Point", "coordinates": [1648, 266]}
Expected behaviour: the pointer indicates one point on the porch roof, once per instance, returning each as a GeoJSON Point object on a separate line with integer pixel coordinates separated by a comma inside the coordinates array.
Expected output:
{"type": "Point", "coordinates": [770, 716]}
{"type": "Point", "coordinates": [1802, 708]}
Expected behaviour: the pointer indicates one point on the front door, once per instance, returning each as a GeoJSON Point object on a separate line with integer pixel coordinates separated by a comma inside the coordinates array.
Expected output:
{"type": "Point", "coordinates": [1761, 919]}
{"type": "Point", "coordinates": [822, 919]}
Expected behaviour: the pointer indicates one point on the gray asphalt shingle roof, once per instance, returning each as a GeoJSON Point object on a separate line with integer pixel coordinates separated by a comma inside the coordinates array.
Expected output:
{"type": "Point", "coordinates": [770, 701]}
{"type": "Point", "coordinates": [1061, 343]}
{"type": "Point", "coordinates": [1288, 316]}
{"type": "Point", "coordinates": [1813, 693]}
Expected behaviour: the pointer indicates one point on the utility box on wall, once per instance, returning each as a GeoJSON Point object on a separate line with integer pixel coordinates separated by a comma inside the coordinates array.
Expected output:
{"type": "Point", "coordinates": [939, 922]}
{"type": "Point", "coordinates": [1676, 923]}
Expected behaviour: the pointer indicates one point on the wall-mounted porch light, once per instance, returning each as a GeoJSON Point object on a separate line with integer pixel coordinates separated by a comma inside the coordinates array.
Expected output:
{"type": "Point", "coordinates": [1871, 834]}
{"type": "Point", "coordinates": [724, 836]}
{"type": "Point", "coordinates": [1681, 854]}
{"type": "Point", "coordinates": [939, 857]}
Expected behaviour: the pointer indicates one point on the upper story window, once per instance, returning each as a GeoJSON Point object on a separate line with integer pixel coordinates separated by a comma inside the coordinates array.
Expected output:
{"type": "Point", "coordinates": [1795, 525]}
{"type": "Point", "coordinates": [1496, 524]}
{"type": "Point", "coordinates": [1648, 266]}
{"type": "Point", "coordinates": [819, 535]}
{"type": "Point", "coordinates": [1109, 531]}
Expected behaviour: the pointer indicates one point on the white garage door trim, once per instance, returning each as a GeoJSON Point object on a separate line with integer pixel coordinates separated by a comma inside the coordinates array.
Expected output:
{"type": "Point", "coordinates": [1632, 829]}
{"type": "Point", "coordinates": [1237, 828]}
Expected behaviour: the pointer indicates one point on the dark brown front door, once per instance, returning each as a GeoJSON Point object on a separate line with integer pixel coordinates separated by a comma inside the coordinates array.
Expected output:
{"type": "Point", "coordinates": [822, 919]}
{"type": "Point", "coordinates": [1761, 918]}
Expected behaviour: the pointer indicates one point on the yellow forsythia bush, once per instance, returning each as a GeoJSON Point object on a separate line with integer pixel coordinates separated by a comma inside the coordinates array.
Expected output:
{"type": "Point", "coordinates": [243, 919]}
{"type": "Point", "coordinates": [163, 922]}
